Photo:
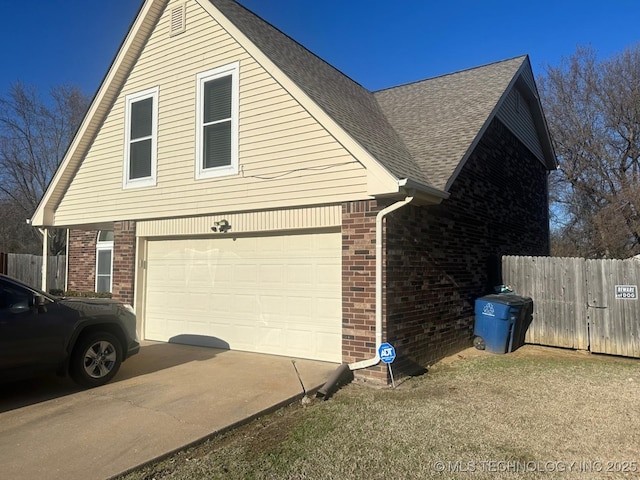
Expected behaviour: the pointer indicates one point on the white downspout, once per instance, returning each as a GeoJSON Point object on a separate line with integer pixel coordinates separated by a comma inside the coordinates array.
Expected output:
{"type": "Point", "coordinates": [379, 218]}
{"type": "Point", "coordinates": [66, 263]}
{"type": "Point", "coordinates": [45, 258]}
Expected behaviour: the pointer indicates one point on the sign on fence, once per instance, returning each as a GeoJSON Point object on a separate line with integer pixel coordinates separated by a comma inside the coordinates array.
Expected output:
{"type": "Point", "coordinates": [627, 292]}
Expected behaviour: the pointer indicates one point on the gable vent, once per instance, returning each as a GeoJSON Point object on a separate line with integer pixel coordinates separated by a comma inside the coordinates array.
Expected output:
{"type": "Point", "coordinates": [178, 19]}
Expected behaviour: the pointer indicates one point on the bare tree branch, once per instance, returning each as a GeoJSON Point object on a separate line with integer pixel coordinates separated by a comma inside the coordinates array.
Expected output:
{"type": "Point", "coordinates": [34, 136]}
{"type": "Point", "coordinates": [593, 111]}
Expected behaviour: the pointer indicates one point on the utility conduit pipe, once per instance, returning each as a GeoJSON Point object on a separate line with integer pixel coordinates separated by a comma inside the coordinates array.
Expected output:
{"type": "Point", "coordinates": [379, 218]}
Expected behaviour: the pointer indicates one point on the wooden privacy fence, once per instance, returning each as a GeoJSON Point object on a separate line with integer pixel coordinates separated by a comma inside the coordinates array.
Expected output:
{"type": "Point", "coordinates": [577, 303]}
{"type": "Point", "coordinates": [4, 258]}
{"type": "Point", "coordinates": [28, 268]}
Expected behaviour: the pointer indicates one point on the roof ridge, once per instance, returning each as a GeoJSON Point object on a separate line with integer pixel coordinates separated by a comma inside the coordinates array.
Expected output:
{"type": "Point", "coordinates": [477, 67]}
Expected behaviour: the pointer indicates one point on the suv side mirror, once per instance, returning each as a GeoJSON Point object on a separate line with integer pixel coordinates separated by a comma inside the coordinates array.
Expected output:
{"type": "Point", "coordinates": [40, 303]}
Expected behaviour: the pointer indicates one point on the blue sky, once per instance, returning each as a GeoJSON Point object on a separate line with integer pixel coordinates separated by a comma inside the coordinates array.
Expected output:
{"type": "Point", "coordinates": [377, 43]}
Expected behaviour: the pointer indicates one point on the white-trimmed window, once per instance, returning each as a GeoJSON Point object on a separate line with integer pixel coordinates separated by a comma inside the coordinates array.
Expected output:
{"type": "Point", "coordinates": [217, 122]}
{"type": "Point", "coordinates": [104, 261]}
{"type": "Point", "coordinates": [141, 139]}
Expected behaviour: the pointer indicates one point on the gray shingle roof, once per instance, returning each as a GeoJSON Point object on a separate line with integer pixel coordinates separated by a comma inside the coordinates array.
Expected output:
{"type": "Point", "coordinates": [440, 118]}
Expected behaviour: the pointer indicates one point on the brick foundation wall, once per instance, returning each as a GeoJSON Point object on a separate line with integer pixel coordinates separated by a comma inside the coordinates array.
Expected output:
{"type": "Point", "coordinates": [124, 260]}
{"type": "Point", "coordinates": [82, 260]}
{"type": "Point", "coordinates": [359, 287]}
{"type": "Point", "coordinates": [81, 275]}
{"type": "Point", "coordinates": [441, 258]}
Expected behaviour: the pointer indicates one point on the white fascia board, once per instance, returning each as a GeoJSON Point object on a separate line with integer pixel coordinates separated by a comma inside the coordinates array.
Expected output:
{"type": "Point", "coordinates": [425, 192]}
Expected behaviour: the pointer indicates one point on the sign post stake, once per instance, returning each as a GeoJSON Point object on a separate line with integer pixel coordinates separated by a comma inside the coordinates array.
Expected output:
{"type": "Point", "coordinates": [388, 354]}
{"type": "Point", "coordinates": [393, 383]}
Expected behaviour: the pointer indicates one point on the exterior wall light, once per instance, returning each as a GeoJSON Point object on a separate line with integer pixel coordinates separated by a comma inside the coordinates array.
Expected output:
{"type": "Point", "coordinates": [222, 226]}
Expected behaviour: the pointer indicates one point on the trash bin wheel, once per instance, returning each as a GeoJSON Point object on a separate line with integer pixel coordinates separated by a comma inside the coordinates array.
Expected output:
{"type": "Point", "coordinates": [478, 342]}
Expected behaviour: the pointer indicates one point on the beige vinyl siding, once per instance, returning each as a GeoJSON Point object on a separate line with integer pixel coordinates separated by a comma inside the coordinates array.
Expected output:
{"type": "Point", "coordinates": [516, 115]}
{"type": "Point", "coordinates": [310, 218]}
{"type": "Point", "coordinates": [286, 158]}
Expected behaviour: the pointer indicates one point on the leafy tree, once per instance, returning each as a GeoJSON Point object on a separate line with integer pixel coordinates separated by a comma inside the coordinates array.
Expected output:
{"type": "Point", "coordinates": [34, 136]}
{"type": "Point", "coordinates": [593, 110]}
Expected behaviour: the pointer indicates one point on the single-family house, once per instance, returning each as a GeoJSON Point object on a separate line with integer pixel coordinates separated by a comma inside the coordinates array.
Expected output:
{"type": "Point", "coordinates": [243, 193]}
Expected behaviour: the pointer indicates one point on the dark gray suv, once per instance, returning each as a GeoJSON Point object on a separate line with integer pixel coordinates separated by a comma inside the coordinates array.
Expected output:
{"type": "Point", "coordinates": [87, 338]}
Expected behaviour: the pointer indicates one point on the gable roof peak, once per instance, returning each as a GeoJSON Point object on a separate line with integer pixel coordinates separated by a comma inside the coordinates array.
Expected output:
{"type": "Point", "coordinates": [441, 119]}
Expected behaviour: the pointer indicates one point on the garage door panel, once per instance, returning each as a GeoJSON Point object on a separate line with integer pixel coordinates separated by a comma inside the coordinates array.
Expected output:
{"type": "Point", "coordinates": [324, 340]}
{"type": "Point", "coordinates": [328, 307]}
{"type": "Point", "coordinates": [241, 337]}
{"type": "Point", "coordinates": [246, 304]}
{"type": "Point", "coordinates": [279, 294]}
{"type": "Point", "coordinates": [300, 275]}
{"type": "Point", "coordinates": [300, 307]}
{"type": "Point", "coordinates": [271, 244]}
{"type": "Point", "coordinates": [270, 274]}
{"type": "Point", "coordinates": [270, 303]}
{"type": "Point", "coordinates": [299, 337]}
{"type": "Point", "coordinates": [326, 273]}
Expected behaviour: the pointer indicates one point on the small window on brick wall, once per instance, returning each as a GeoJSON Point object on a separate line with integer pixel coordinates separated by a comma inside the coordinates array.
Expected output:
{"type": "Point", "coordinates": [104, 261]}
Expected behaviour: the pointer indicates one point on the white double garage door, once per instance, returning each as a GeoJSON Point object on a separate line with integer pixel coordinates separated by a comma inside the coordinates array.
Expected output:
{"type": "Point", "coordinates": [275, 294]}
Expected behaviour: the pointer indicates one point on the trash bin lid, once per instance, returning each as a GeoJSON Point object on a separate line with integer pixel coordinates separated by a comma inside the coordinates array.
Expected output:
{"type": "Point", "coordinates": [510, 299]}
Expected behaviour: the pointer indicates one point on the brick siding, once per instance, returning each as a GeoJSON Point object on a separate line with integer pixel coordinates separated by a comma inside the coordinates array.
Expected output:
{"type": "Point", "coordinates": [82, 261]}
{"type": "Point", "coordinates": [359, 285]}
{"type": "Point", "coordinates": [124, 260]}
{"type": "Point", "coordinates": [441, 258]}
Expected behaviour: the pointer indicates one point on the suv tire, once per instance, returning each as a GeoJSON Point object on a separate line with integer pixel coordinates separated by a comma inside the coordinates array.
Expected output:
{"type": "Point", "coordinates": [96, 359]}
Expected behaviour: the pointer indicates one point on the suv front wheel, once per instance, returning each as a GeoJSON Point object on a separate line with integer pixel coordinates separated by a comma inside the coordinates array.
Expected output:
{"type": "Point", "coordinates": [95, 359]}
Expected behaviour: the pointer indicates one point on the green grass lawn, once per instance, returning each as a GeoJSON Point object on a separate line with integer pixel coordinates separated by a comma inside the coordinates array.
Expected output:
{"type": "Point", "coordinates": [535, 413]}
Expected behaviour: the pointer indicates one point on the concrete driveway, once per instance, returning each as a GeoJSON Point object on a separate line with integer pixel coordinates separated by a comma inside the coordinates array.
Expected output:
{"type": "Point", "coordinates": [163, 399]}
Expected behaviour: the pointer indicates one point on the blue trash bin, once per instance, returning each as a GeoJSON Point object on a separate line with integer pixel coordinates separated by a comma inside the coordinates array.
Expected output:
{"type": "Point", "coordinates": [498, 317]}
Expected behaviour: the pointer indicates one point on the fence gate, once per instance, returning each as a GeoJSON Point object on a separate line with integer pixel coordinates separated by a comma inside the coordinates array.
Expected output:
{"type": "Point", "coordinates": [581, 304]}
{"type": "Point", "coordinates": [613, 308]}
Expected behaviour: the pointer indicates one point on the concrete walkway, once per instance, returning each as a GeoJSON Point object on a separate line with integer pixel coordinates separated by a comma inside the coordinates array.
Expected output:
{"type": "Point", "coordinates": [163, 399]}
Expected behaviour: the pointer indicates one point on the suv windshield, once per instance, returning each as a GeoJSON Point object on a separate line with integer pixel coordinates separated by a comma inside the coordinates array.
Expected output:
{"type": "Point", "coordinates": [10, 280]}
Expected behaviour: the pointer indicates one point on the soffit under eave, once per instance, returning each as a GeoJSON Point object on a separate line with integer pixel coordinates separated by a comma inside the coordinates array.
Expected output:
{"type": "Point", "coordinates": [117, 74]}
